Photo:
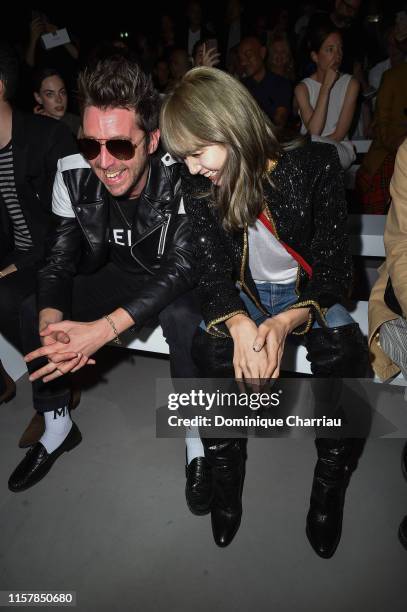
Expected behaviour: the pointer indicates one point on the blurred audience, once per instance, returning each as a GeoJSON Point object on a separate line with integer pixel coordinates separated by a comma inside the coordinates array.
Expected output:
{"type": "Point", "coordinates": [272, 92]}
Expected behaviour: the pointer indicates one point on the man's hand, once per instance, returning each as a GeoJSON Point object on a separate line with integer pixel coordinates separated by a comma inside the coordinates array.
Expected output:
{"type": "Point", "coordinates": [68, 346]}
{"type": "Point", "coordinates": [47, 316]}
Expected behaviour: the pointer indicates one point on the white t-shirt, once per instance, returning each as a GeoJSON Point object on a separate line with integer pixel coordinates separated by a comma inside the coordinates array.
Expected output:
{"type": "Point", "coordinates": [268, 259]}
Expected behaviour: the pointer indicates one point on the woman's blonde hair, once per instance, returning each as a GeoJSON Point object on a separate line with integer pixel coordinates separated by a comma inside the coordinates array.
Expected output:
{"type": "Point", "coordinates": [211, 107]}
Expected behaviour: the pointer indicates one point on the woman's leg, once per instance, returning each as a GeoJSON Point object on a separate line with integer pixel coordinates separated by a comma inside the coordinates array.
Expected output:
{"type": "Point", "coordinates": [337, 351]}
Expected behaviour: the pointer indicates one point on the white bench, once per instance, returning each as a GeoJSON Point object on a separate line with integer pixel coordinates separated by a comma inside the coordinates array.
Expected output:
{"type": "Point", "coordinates": [366, 235]}
{"type": "Point", "coordinates": [366, 232]}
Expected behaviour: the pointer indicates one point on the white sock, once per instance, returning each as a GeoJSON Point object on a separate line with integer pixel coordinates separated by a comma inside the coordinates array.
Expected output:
{"type": "Point", "coordinates": [194, 444]}
{"type": "Point", "coordinates": [57, 426]}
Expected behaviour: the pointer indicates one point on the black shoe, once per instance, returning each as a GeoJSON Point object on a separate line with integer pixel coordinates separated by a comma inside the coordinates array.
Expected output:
{"type": "Point", "coordinates": [37, 462]}
{"type": "Point", "coordinates": [403, 532]}
{"type": "Point", "coordinates": [226, 458]}
{"type": "Point", "coordinates": [331, 478]}
{"type": "Point", "coordinates": [199, 486]}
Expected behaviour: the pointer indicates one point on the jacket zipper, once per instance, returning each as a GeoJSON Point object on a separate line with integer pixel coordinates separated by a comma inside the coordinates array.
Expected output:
{"type": "Point", "coordinates": [163, 235]}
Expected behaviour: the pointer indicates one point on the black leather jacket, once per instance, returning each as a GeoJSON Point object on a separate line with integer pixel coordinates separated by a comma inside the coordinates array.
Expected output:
{"type": "Point", "coordinates": [308, 208]}
{"type": "Point", "coordinates": [79, 239]}
{"type": "Point", "coordinates": [38, 143]}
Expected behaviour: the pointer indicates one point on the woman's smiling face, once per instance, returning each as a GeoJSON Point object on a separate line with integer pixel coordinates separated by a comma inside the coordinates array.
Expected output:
{"type": "Point", "coordinates": [208, 161]}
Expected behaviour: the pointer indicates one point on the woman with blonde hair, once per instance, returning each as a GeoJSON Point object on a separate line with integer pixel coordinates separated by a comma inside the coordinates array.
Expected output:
{"type": "Point", "coordinates": [269, 227]}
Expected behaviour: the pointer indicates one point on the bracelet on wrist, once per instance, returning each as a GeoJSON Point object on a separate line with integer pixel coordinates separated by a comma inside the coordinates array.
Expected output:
{"type": "Point", "coordinates": [116, 339]}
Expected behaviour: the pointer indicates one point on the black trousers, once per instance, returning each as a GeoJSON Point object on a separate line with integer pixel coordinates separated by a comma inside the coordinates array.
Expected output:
{"type": "Point", "coordinates": [14, 288]}
{"type": "Point", "coordinates": [98, 294]}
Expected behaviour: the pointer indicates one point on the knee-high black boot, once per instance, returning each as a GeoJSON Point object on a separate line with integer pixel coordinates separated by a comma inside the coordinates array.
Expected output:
{"type": "Point", "coordinates": [226, 457]}
{"type": "Point", "coordinates": [333, 352]}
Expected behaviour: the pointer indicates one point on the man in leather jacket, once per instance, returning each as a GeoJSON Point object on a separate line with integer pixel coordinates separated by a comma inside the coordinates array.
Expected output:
{"type": "Point", "coordinates": [119, 254]}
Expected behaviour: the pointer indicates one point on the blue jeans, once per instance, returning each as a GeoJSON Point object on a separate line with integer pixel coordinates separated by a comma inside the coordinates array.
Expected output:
{"type": "Point", "coordinates": [275, 298]}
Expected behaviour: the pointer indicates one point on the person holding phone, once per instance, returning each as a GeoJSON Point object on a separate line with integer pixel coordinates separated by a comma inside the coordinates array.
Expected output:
{"type": "Point", "coordinates": [269, 227]}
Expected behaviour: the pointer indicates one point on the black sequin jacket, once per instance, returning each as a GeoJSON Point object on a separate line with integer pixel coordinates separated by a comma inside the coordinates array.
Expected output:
{"type": "Point", "coordinates": [308, 209]}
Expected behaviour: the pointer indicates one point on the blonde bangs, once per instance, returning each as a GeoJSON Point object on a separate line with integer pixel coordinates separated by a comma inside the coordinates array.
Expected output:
{"type": "Point", "coordinates": [178, 135]}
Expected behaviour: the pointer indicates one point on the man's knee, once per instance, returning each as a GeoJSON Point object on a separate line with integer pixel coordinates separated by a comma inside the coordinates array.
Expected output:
{"type": "Point", "coordinates": [181, 318]}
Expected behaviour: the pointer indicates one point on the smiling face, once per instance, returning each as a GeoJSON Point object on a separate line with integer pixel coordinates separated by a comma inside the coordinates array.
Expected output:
{"type": "Point", "coordinates": [120, 177]}
{"type": "Point", "coordinates": [330, 54]}
{"type": "Point", "coordinates": [52, 96]}
{"type": "Point", "coordinates": [209, 161]}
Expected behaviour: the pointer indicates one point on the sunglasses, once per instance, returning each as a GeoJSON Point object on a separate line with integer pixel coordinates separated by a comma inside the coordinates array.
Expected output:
{"type": "Point", "coordinates": [120, 149]}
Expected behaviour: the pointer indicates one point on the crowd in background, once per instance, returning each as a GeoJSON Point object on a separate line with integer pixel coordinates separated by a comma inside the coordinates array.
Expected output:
{"type": "Point", "coordinates": [333, 69]}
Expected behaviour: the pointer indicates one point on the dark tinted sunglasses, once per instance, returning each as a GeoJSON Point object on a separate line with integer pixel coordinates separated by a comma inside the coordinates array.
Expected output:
{"type": "Point", "coordinates": [120, 148]}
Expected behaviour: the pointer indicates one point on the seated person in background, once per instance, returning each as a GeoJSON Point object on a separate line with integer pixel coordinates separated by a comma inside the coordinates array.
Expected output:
{"type": "Point", "coordinates": [273, 93]}
{"type": "Point", "coordinates": [30, 147]}
{"type": "Point", "coordinates": [389, 130]}
{"type": "Point", "coordinates": [280, 59]}
{"type": "Point", "coordinates": [327, 99]}
{"type": "Point", "coordinates": [52, 98]}
{"type": "Point", "coordinates": [394, 57]}
{"type": "Point", "coordinates": [388, 299]}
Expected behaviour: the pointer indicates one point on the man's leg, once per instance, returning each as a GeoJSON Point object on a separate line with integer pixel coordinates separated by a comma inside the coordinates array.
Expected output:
{"type": "Point", "coordinates": [393, 341]}
{"type": "Point", "coordinates": [337, 352]}
{"type": "Point", "coordinates": [179, 321]}
{"type": "Point", "coordinates": [92, 297]}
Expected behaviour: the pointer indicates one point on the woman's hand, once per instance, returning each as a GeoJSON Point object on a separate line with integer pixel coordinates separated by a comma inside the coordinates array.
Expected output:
{"type": "Point", "coordinates": [249, 364]}
{"type": "Point", "coordinates": [272, 335]}
{"type": "Point", "coordinates": [330, 77]}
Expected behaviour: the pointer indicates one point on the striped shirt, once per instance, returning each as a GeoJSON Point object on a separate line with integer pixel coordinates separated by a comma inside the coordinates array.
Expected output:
{"type": "Point", "coordinates": [22, 236]}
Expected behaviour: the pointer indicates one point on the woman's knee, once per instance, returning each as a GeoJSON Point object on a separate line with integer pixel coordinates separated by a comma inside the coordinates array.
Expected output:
{"type": "Point", "coordinates": [337, 316]}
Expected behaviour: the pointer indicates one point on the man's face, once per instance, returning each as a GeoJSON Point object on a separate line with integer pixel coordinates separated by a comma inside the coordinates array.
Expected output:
{"type": "Point", "coordinates": [347, 10]}
{"type": "Point", "coordinates": [120, 177]}
{"type": "Point", "coordinates": [251, 57]}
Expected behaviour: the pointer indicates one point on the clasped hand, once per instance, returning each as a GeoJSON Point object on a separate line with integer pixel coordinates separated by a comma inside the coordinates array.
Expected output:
{"type": "Point", "coordinates": [258, 350]}
{"type": "Point", "coordinates": [68, 346]}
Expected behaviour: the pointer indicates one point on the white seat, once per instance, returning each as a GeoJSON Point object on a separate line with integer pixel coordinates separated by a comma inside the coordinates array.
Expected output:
{"type": "Point", "coordinates": [366, 235]}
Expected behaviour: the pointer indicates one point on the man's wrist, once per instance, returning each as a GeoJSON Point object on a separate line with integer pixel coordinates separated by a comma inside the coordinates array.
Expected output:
{"type": "Point", "coordinates": [109, 330]}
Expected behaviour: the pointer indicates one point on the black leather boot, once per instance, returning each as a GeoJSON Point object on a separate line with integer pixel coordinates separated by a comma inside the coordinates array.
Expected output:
{"type": "Point", "coordinates": [331, 478]}
{"type": "Point", "coordinates": [339, 352]}
{"type": "Point", "coordinates": [199, 488]}
{"type": "Point", "coordinates": [227, 460]}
